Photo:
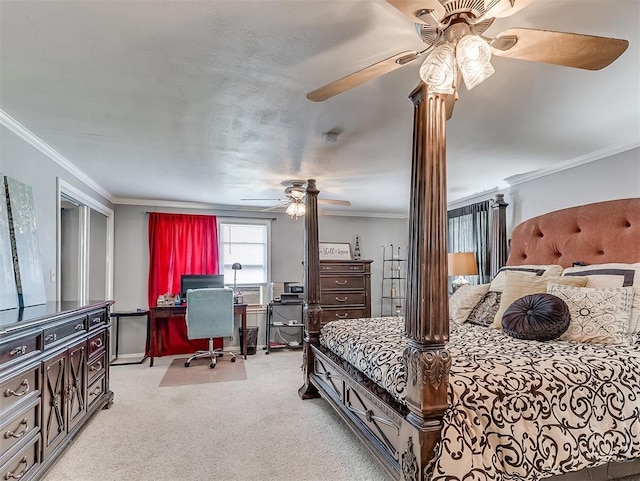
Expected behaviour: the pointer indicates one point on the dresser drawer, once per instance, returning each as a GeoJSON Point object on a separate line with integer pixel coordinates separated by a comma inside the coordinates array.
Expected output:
{"type": "Point", "coordinates": [19, 388]}
{"type": "Point", "coordinates": [96, 366]}
{"type": "Point", "coordinates": [20, 347]}
{"type": "Point", "coordinates": [19, 426]}
{"type": "Point", "coordinates": [59, 332]}
{"type": "Point", "coordinates": [96, 319]}
{"type": "Point", "coordinates": [96, 343]}
{"type": "Point", "coordinates": [342, 282]}
{"type": "Point", "coordinates": [335, 314]}
{"type": "Point", "coordinates": [343, 298]}
{"type": "Point", "coordinates": [24, 462]}
{"type": "Point", "coordinates": [342, 267]}
{"type": "Point", "coordinates": [95, 391]}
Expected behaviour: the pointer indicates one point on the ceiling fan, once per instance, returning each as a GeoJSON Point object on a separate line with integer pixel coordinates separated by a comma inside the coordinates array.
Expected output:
{"type": "Point", "coordinates": [455, 47]}
{"type": "Point", "coordinates": [295, 192]}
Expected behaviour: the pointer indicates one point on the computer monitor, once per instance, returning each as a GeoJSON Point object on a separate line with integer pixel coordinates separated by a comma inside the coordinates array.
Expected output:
{"type": "Point", "coordinates": [199, 281]}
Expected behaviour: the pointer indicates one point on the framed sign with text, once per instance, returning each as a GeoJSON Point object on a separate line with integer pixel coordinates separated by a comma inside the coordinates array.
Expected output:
{"type": "Point", "coordinates": [335, 251]}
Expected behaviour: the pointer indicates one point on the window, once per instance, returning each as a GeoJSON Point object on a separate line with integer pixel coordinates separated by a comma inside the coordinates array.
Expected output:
{"type": "Point", "coordinates": [247, 244]}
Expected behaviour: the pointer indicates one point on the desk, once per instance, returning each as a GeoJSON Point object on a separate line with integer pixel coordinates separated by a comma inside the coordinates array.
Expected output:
{"type": "Point", "coordinates": [117, 316]}
{"type": "Point", "coordinates": [165, 312]}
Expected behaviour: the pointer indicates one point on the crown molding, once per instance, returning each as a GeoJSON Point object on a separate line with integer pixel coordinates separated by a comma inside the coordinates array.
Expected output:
{"type": "Point", "coordinates": [36, 142]}
{"type": "Point", "coordinates": [570, 164]}
{"type": "Point", "coordinates": [236, 208]}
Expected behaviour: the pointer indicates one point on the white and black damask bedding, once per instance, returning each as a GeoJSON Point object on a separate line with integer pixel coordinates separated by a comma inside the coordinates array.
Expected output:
{"type": "Point", "coordinates": [520, 410]}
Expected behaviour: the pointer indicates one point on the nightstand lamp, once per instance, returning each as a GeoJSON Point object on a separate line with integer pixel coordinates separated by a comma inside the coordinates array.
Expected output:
{"type": "Point", "coordinates": [236, 266]}
{"type": "Point", "coordinates": [461, 264]}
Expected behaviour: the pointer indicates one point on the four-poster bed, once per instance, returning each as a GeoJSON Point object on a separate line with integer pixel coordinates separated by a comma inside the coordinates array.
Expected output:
{"type": "Point", "coordinates": [405, 431]}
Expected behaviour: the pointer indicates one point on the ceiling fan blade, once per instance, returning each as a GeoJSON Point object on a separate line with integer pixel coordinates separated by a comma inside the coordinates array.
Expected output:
{"type": "Point", "coordinates": [361, 76]}
{"type": "Point", "coordinates": [504, 8]}
{"type": "Point", "coordinates": [429, 12]}
{"type": "Point", "coordinates": [560, 48]}
{"type": "Point", "coordinates": [345, 203]}
{"type": "Point", "coordinates": [273, 208]}
{"type": "Point", "coordinates": [272, 199]}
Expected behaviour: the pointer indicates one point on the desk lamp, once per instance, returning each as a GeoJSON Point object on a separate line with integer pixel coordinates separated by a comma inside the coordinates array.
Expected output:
{"type": "Point", "coordinates": [236, 267]}
{"type": "Point", "coordinates": [461, 264]}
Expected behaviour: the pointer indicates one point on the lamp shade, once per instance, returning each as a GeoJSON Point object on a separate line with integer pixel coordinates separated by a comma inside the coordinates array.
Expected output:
{"type": "Point", "coordinates": [236, 266]}
{"type": "Point", "coordinates": [462, 264]}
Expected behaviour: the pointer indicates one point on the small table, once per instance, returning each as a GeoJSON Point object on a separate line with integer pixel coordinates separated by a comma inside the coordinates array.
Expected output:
{"type": "Point", "coordinates": [117, 316]}
{"type": "Point", "coordinates": [165, 312]}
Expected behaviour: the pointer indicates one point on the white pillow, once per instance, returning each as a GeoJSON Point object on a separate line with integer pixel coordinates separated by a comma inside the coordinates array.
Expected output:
{"type": "Point", "coordinates": [497, 284]}
{"type": "Point", "coordinates": [614, 275]}
{"type": "Point", "coordinates": [464, 299]}
{"type": "Point", "coordinates": [598, 314]}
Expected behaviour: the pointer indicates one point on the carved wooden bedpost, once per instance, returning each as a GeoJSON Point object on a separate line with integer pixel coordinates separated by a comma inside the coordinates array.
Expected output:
{"type": "Point", "coordinates": [498, 244]}
{"type": "Point", "coordinates": [427, 318]}
{"type": "Point", "coordinates": [312, 313]}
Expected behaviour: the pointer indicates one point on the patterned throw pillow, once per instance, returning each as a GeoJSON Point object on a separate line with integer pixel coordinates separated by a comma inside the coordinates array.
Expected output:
{"type": "Point", "coordinates": [498, 282]}
{"type": "Point", "coordinates": [536, 317]}
{"type": "Point", "coordinates": [518, 285]}
{"type": "Point", "coordinates": [463, 300]}
{"type": "Point", "coordinates": [484, 313]}
{"type": "Point", "coordinates": [615, 275]}
{"type": "Point", "coordinates": [598, 314]}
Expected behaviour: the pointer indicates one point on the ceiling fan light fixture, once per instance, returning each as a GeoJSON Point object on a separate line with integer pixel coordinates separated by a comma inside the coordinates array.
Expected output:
{"type": "Point", "coordinates": [473, 56]}
{"type": "Point", "coordinates": [296, 208]}
{"type": "Point", "coordinates": [439, 69]}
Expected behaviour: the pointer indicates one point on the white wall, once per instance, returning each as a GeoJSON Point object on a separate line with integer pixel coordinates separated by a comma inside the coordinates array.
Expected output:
{"type": "Point", "coordinates": [132, 256]}
{"type": "Point", "coordinates": [28, 165]}
{"type": "Point", "coordinates": [615, 177]}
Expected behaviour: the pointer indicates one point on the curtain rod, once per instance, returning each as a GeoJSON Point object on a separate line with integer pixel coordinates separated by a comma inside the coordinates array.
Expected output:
{"type": "Point", "coordinates": [221, 216]}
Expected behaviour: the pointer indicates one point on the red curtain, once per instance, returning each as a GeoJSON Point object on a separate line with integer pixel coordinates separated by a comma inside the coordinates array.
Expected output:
{"type": "Point", "coordinates": [179, 244]}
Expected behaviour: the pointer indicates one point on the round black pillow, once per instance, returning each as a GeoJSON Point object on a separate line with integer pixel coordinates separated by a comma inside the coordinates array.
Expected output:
{"type": "Point", "coordinates": [536, 317]}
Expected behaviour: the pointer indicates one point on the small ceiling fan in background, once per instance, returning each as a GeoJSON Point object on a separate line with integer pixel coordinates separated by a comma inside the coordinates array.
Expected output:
{"type": "Point", "coordinates": [455, 47]}
{"type": "Point", "coordinates": [295, 191]}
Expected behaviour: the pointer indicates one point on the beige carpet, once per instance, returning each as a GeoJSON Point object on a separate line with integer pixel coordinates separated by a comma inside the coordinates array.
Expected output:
{"type": "Point", "coordinates": [199, 372]}
{"type": "Point", "coordinates": [257, 429]}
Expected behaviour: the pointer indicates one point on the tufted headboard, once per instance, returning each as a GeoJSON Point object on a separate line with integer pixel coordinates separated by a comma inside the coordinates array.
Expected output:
{"type": "Point", "coordinates": [593, 233]}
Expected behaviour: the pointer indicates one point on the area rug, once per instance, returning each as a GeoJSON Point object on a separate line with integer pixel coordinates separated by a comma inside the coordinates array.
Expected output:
{"type": "Point", "coordinates": [200, 373]}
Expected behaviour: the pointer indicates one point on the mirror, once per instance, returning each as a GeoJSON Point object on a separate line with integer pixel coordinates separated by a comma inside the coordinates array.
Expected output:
{"type": "Point", "coordinates": [85, 247]}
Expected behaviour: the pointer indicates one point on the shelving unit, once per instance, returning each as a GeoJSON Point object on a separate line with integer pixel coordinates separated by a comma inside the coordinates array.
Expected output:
{"type": "Point", "coordinates": [394, 282]}
{"type": "Point", "coordinates": [285, 328]}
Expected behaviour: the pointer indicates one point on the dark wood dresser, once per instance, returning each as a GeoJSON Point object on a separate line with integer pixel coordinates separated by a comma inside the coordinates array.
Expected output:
{"type": "Point", "coordinates": [345, 289]}
{"type": "Point", "coordinates": [54, 376]}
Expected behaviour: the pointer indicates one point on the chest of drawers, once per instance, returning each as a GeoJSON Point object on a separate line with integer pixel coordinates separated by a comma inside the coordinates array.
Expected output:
{"type": "Point", "coordinates": [345, 289]}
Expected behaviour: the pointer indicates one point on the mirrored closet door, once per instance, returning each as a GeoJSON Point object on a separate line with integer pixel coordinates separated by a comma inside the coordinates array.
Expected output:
{"type": "Point", "coordinates": [85, 246]}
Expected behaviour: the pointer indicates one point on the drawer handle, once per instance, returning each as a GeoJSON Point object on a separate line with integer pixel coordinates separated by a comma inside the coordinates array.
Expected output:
{"type": "Point", "coordinates": [326, 268]}
{"type": "Point", "coordinates": [97, 390]}
{"type": "Point", "coordinates": [50, 337]}
{"type": "Point", "coordinates": [96, 367]}
{"type": "Point", "coordinates": [10, 475]}
{"type": "Point", "coordinates": [341, 283]}
{"type": "Point", "coordinates": [25, 430]}
{"type": "Point", "coordinates": [96, 320]}
{"type": "Point", "coordinates": [11, 392]}
{"type": "Point", "coordinates": [354, 268]}
{"type": "Point", "coordinates": [341, 299]}
{"type": "Point", "coordinates": [78, 327]}
{"type": "Point", "coordinates": [97, 343]}
{"type": "Point", "coordinates": [342, 316]}
{"type": "Point", "coordinates": [18, 350]}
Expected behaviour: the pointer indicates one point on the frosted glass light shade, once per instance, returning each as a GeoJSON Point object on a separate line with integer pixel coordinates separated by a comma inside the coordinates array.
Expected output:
{"type": "Point", "coordinates": [473, 55]}
{"type": "Point", "coordinates": [439, 70]}
{"type": "Point", "coordinates": [296, 209]}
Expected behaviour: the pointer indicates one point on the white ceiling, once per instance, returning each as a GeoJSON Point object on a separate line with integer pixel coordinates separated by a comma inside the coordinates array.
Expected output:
{"type": "Point", "coordinates": [204, 101]}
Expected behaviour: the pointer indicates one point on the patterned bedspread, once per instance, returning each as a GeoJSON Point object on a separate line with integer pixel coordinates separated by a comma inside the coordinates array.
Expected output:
{"type": "Point", "coordinates": [520, 410]}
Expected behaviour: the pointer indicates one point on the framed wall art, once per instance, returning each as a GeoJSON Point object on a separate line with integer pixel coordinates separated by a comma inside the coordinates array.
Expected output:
{"type": "Point", "coordinates": [335, 251]}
